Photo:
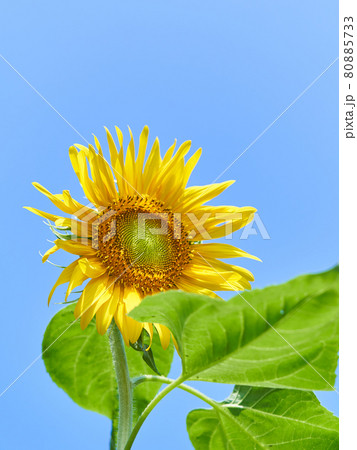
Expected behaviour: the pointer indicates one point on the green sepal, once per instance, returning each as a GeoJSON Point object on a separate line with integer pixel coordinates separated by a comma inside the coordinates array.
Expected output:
{"type": "Point", "coordinates": [147, 355]}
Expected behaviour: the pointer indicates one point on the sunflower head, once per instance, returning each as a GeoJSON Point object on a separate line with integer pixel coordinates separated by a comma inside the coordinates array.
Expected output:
{"type": "Point", "coordinates": [138, 241]}
{"type": "Point", "coordinates": [142, 232]}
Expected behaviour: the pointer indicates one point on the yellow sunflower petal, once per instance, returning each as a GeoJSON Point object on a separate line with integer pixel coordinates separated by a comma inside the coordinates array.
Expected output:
{"type": "Point", "coordinates": [65, 276]}
{"type": "Point", "coordinates": [188, 286]}
{"type": "Point", "coordinates": [79, 229]}
{"type": "Point", "coordinates": [65, 203]}
{"type": "Point", "coordinates": [190, 165]}
{"type": "Point", "coordinates": [217, 250]}
{"type": "Point", "coordinates": [130, 328]}
{"type": "Point", "coordinates": [215, 280]}
{"type": "Point", "coordinates": [169, 153]}
{"type": "Point", "coordinates": [152, 165]}
{"type": "Point", "coordinates": [99, 177]}
{"type": "Point", "coordinates": [107, 176]}
{"type": "Point", "coordinates": [92, 268]}
{"type": "Point", "coordinates": [117, 160]}
{"type": "Point", "coordinates": [105, 314]}
{"type": "Point", "coordinates": [40, 213]}
{"type": "Point", "coordinates": [130, 164]}
{"type": "Point", "coordinates": [242, 218]}
{"type": "Point", "coordinates": [168, 173]}
{"type": "Point", "coordinates": [121, 160]}
{"type": "Point", "coordinates": [217, 222]}
{"type": "Point", "coordinates": [164, 334]}
{"type": "Point", "coordinates": [54, 199]}
{"type": "Point", "coordinates": [49, 252]}
{"type": "Point", "coordinates": [88, 157]}
{"type": "Point", "coordinates": [121, 321]}
{"type": "Point", "coordinates": [131, 300]}
{"type": "Point", "coordinates": [77, 278]}
{"type": "Point", "coordinates": [181, 152]}
{"type": "Point", "coordinates": [196, 196]}
{"type": "Point", "coordinates": [141, 155]}
{"type": "Point", "coordinates": [75, 248]}
{"type": "Point", "coordinates": [81, 211]}
{"type": "Point", "coordinates": [79, 164]}
{"type": "Point", "coordinates": [134, 329]}
{"type": "Point", "coordinates": [175, 344]}
{"type": "Point", "coordinates": [220, 266]}
{"type": "Point", "coordinates": [112, 148]}
{"type": "Point", "coordinates": [97, 292]}
{"type": "Point", "coordinates": [172, 186]}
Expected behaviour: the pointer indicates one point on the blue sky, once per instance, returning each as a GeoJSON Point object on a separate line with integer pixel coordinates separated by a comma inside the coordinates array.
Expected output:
{"type": "Point", "coordinates": [217, 73]}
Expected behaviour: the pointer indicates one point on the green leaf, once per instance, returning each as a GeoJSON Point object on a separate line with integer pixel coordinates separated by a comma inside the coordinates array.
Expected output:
{"type": "Point", "coordinates": [253, 418]}
{"type": "Point", "coordinates": [80, 362]}
{"type": "Point", "coordinates": [280, 336]}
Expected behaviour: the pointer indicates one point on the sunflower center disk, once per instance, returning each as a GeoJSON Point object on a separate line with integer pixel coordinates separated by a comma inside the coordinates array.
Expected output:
{"type": "Point", "coordinates": [142, 244]}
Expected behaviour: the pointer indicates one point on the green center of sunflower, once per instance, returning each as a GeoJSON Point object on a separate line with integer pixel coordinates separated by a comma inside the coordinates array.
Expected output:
{"type": "Point", "coordinates": [144, 240]}
{"type": "Point", "coordinates": [142, 244]}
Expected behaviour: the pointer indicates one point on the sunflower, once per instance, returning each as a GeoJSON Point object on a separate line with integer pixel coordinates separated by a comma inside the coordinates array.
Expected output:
{"type": "Point", "coordinates": [142, 232]}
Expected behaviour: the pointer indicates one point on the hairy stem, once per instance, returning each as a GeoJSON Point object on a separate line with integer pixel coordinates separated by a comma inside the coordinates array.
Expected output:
{"type": "Point", "coordinates": [125, 415]}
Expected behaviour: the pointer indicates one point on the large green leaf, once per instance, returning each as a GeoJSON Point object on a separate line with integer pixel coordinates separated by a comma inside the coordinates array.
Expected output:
{"type": "Point", "coordinates": [253, 418]}
{"type": "Point", "coordinates": [280, 336]}
{"type": "Point", "coordinates": [80, 362]}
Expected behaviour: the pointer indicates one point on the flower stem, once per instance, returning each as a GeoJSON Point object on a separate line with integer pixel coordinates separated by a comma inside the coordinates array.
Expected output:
{"type": "Point", "coordinates": [125, 416]}
{"type": "Point", "coordinates": [223, 409]}
{"type": "Point", "coordinates": [184, 387]}
{"type": "Point", "coordinates": [172, 384]}
{"type": "Point", "coordinates": [149, 408]}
